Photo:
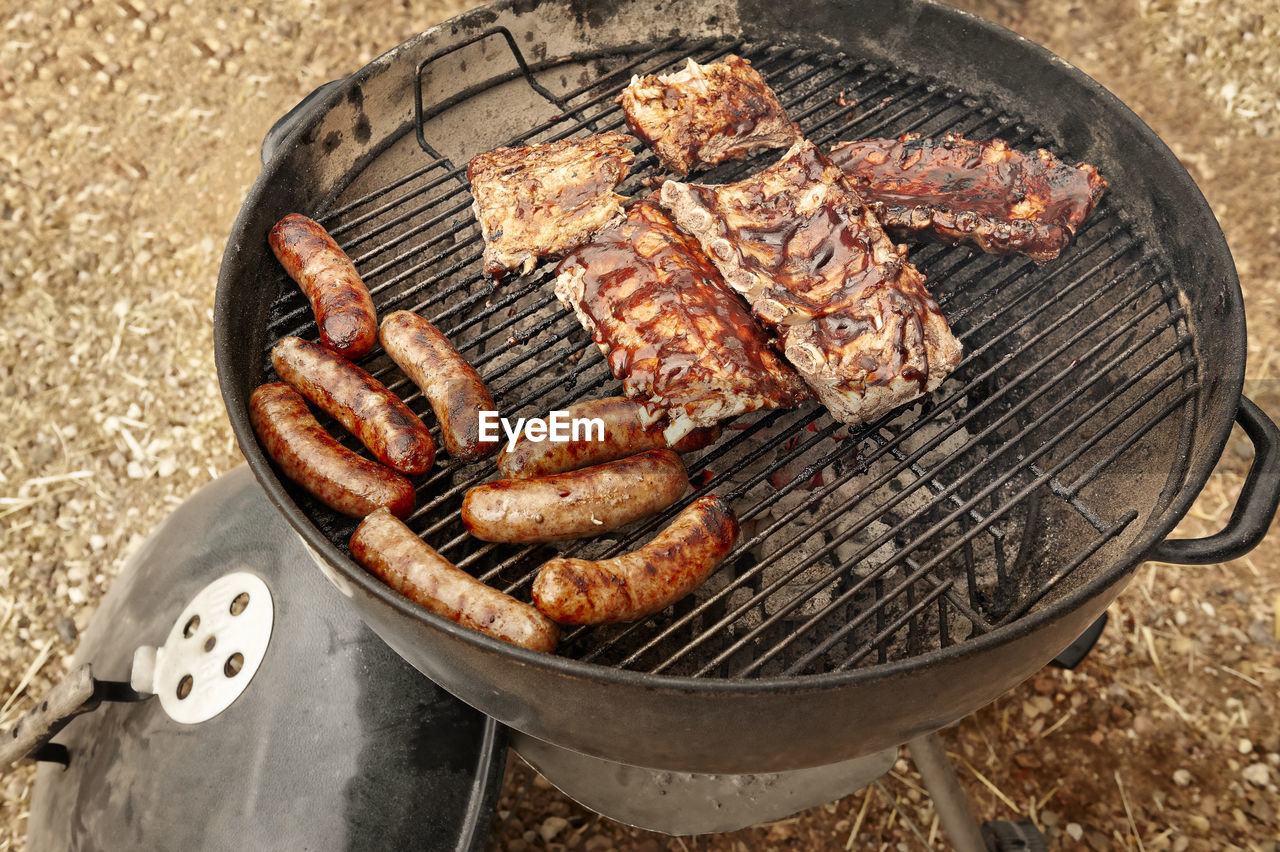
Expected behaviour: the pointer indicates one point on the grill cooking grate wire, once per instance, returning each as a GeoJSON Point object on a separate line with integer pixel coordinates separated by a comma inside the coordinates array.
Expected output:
{"type": "Point", "coordinates": [861, 545]}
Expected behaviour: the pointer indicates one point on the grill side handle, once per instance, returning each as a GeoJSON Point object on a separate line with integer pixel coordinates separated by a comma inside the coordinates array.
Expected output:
{"type": "Point", "coordinates": [1254, 509]}
{"type": "Point", "coordinates": [294, 118]}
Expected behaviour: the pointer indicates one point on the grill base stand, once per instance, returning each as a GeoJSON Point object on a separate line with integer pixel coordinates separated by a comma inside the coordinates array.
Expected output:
{"type": "Point", "coordinates": [682, 803]}
{"type": "Point", "coordinates": [954, 812]}
{"type": "Point", "coordinates": [949, 800]}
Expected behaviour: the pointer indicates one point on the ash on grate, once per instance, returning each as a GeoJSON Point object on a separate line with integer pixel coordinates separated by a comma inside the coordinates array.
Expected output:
{"type": "Point", "coordinates": [836, 536]}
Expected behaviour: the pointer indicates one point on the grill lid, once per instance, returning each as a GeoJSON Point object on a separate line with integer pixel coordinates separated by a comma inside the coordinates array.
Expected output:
{"type": "Point", "coordinates": [335, 743]}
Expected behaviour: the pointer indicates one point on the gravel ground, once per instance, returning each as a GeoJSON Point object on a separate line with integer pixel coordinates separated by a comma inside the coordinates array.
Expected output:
{"type": "Point", "coordinates": [130, 135]}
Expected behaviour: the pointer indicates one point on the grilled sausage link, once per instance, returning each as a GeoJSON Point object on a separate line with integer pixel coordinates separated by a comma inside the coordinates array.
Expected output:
{"type": "Point", "coordinates": [390, 550]}
{"type": "Point", "coordinates": [342, 304]}
{"type": "Point", "coordinates": [623, 435]}
{"type": "Point", "coordinates": [337, 477]}
{"type": "Point", "coordinates": [645, 581]}
{"type": "Point", "coordinates": [361, 403]}
{"type": "Point", "coordinates": [582, 503]}
{"type": "Point", "coordinates": [455, 390]}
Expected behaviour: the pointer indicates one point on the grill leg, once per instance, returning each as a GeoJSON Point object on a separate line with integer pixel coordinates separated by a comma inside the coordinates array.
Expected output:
{"type": "Point", "coordinates": [948, 796]}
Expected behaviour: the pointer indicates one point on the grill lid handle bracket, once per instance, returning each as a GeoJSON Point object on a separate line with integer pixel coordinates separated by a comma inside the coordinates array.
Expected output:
{"type": "Point", "coordinates": [1254, 509]}
{"type": "Point", "coordinates": [79, 692]}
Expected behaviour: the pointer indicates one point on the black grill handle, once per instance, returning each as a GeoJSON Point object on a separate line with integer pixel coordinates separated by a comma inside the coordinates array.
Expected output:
{"type": "Point", "coordinates": [291, 120]}
{"type": "Point", "coordinates": [1254, 509]}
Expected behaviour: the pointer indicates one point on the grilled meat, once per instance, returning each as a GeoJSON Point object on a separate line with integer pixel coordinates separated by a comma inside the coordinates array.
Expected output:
{"type": "Point", "coordinates": [363, 405]}
{"type": "Point", "coordinates": [344, 309]}
{"type": "Point", "coordinates": [310, 456]}
{"type": "Point", "coordinates": [544, 200]}
{"type": "Point", "coordinates": [961, 190]}
{"type": "Point", "coordinates": [632, 585]}
{"type": "Point", "coordinates": [453, 387]}
{"type": "Point", "coordinates": [576, 504]}
{"type": "Point", "coordinates": [624, 435]}
{"type": "Point", "coordinates": [391, 551]}
{"type": "Point", "coordinates": [706, 114]}
{"type": "Point", "coordinates": [674, 335]}
{"type": "Point", "coordinates": [851, 313]}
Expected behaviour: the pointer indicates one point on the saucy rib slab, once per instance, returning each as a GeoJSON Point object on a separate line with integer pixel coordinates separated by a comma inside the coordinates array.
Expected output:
{"type": "Point", "coordinates": [675, 336]}
{"type": "Point", "coordinates": [1000, 199]}
{"type": "Point", "coordinates": [851, 313]}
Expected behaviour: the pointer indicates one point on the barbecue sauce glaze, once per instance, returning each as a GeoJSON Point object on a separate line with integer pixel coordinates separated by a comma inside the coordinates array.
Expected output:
{"type": "Point", "coordinates": [962, 190]}
{"type": "Point", "coordinates": [706, 114]}
{"type": "Point", "coordinates": [672, 332]}
{"type": "Point", "coordinates": [807, 244]}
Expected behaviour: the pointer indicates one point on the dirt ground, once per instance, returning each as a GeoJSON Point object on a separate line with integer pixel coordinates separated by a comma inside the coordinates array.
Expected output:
{"type": "Point", "coordinates": [129, 134]}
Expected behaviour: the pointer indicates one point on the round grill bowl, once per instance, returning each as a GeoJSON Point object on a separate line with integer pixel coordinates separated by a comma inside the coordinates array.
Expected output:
{"type": "Point", "coordinates": [1062, 485]}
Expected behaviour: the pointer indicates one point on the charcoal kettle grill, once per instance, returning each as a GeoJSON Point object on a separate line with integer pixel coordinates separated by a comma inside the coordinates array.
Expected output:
{"type": "Point", "coordinates": [892, 577]}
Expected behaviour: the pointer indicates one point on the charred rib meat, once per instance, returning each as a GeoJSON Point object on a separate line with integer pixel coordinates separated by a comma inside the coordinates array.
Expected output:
{"type": "Point", "coordinates": [545, 200]}
{"type": "Point", "coordinates": [706, 114]}
{"type": "Point", "coordinates": [1003, 200]}
{"type": "Point", "coordinates": [851, 313]}
{"type": "Point", "coordinates": [672, 332]}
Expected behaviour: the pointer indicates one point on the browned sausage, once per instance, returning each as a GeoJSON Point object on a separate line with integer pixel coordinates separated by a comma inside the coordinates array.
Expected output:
{"type": "Point", "coordinates": [582, 503]}
{"type": "Point", "coordinates": [640, 583]}
{"type": "Point", "coordinates": [406, 563]}
{"type": "Point", "coordinates": [358, 401]}
{"type": "Point", "coordinates": [623, 435]}
{"type": "Point", "coordinates": [452, 386]}
{"type": "Point", "coordinates": [337, 477]}
{"type": "Point", "coordinates": [342, 304]}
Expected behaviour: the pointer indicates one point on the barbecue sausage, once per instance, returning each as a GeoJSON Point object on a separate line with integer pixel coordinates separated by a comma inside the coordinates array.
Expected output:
{"type": "Point", "coordinates": [582, 503]}
{"type": "Point", "coordinates": [623, 435]}
{"type": "Point", "coordinates": [389, 550]}
{"type": "Point", "coordinates": [361, 403]}
{"type": "Point", "coordinates": [645, 581]}
{"type": "Point", "coordinates": [342, 304]}
{"type": "Point", "coordinates": [455, 390]}
{"type": "Point", "coordinates": [311, 457]}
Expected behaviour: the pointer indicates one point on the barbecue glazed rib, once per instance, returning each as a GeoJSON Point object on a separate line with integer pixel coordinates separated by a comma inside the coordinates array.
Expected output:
{"type": "Point", "coordinates": [545, 200]}
{"type": "Point", "coordinates": [1004, 201]}
{"type": "Point", "coordinates": [706, 114]}
{"type": "Point", "coordinates": [851, 313]}
{"type": "Point", "coordinates": [670, 329]}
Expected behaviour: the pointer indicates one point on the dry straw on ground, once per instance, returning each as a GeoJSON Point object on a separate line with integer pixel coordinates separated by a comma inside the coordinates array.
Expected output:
{"type": "Point", "coordinates": [129, 134]}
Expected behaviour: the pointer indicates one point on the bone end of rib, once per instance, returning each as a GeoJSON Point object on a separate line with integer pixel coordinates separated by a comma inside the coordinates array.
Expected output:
{"type": "Point", "coordinates": [770, 310]}
{"type": "Point", "coordinates": [700, 220]}
{"type": "Point", "coordinates": [721, 248]}
{"type": "Point", "coordinates": [806, 357]}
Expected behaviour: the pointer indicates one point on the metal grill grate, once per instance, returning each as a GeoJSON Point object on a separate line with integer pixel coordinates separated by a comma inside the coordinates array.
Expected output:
{"type": "Point", "coordinates": [1062, 428]}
